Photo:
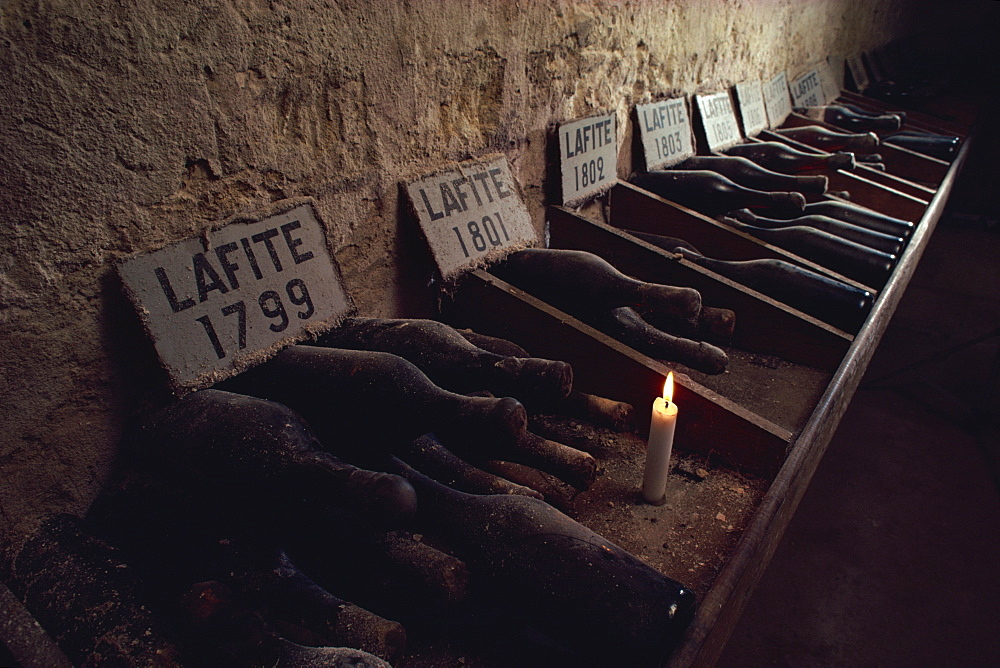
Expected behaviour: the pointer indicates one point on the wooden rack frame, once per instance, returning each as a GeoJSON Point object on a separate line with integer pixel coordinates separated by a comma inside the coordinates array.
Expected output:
{"type": "Point", "coordinates": [914, 187]}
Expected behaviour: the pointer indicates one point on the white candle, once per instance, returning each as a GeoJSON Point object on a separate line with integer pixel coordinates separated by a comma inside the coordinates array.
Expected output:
{"type": "Point", "coordinates": [661, 442]}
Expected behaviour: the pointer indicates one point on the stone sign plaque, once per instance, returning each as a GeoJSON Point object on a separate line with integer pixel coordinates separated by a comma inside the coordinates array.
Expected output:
{"type": "Point", "coordinates": [752, 113]}
{"type": "Point", "coordinates": [776, 100]}
{"type": "Point", "coordinates": [665, 130]}
{"type": "Point", "coordinates": [856, 66]}
{"type": "Point", "coordinates": [807, 90]}
{"type": "Point", "coordinates": [588, 151]}
{"type": "Point", "coordinates": [220, 302]}
{"type": "Point", "coordinates": [829, 79]}
{"type": "Point", "coordinates": [471, 214]}
{"type": "Point", "coordinates": [718, 120]}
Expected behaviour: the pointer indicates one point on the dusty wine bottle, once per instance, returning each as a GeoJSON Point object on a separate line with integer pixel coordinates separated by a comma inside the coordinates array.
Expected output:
{"type": "Point", "coordinates": [845, 117]}
{"type": "Point", "coordinates": [580, 282]}
{"type": "Point", "coordinates": [830, 140]}
{"type": "Point", "coordinates": [266, 574]}
{"type": "Point", "coordinates": [863, 264]}
{"type": "Point", "coordinates": [261, 448]}
{"type": "Point", "coordinates": [749, 174]}
{"type": "Point", "coordinates": [451, 361]}
{"type": "Point", "coordinates": [871, 112]}
{"type": "Point", "coordinates": [556, 574]}
{"type": "Point", "coordinates": [858, 215]}
{"type": "Point", "coordinates": [778, 157]}
{"type": "Point", "coordinates": [429, 456]}
{"type": "Point", "coordinates": [936, 146]}
{"type": "Point", "coordinates": [82, 592]}
{"type": "Point", "coordinates": [365, 402]}
{"type": "Point", "coordinates": [834, 302]}
{"type": "Point", "coordinates": [602, 411]}
{"type": "Point", "coordinates": [368, 403]}
{"type": "Point", "coordinates": [843, 229]}
{"type": "Point", "coordinates": [712, 193]}
{"type": "Point", "coordinates": [626, 325]}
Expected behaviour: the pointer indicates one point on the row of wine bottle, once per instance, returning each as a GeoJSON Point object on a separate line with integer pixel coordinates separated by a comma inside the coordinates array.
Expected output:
{"type": "Point", "coordinates": [235, 490]}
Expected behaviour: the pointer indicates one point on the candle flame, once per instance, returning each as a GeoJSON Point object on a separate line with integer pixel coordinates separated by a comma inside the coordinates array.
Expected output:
{"type": "Point", "coordinates": [668, 387]}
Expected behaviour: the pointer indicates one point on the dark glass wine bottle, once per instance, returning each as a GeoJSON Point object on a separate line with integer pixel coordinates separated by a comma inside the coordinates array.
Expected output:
{"type": "Point", "coordinates": [711, 193]}
{"type": "Point", "coordinates": [557, 575]}
{"type": "Point", "coordinates": [366, 403]}
{"type": "Point", "coordinates": [626, 325]}
{"type": "Point", "coordinates": [935, 146]}
{"type": "Point", "coordinates": [862, 235]}
{"type": "Point", "coordinates": [831, 140]}
{"type": "Point", "coordinates": [834, 302]}
{"type": "Point", "coordinates": [580, 282]}
{"type": "Point", "coordinates": [858, 215]}
{"type": "Point", "coordinates": [429, 456]}
{"type": "Point", "coordinates": [873, 113]}
{"type": "Point", "coordinates": [863, 264]}
{"type": "Point", "coordinates": [751, 175]}
{"type": "Point", "coordinates": [260, 448]}
{"type": "Point", "coordinates": [844, 117]}
{"type": "Point", "coordinates": [779, 157]}
{"type": "Point", "coordinates": [83, 593]}
{"type": "Point", "coordinates": [451, 361]}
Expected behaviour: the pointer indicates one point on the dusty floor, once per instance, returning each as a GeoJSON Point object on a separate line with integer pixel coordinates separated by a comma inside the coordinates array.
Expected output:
{"type": "Point", "coordinates": [891, 557]}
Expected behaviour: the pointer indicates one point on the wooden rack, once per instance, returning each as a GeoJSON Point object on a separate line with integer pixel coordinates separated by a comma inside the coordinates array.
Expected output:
{"type": "Point", "coordinates": [783, 445]}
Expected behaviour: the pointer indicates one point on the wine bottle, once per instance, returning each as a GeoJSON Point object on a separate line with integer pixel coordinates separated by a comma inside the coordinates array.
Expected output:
{"type": "Point", "coordinates": [365, 402]}
{"type": "Point", "coordinates": [556, 574]}
{"type": "Point", "coordinates": [858, 215]}
{"type": "Point", "coordinates": [778, 157]}
{"type": "Point", "coordinates": [88, 598]}
{"type": "Point", "coordinates": [711, 193]}
{"type": "Point", "coordinates": [266, 575]}
{"type": "Point", "coordinates": [873, 113]}
{"type": "Point", "coordinates": [848, 258]}
{"type": "Point", "coordinates": [830, 140]}
{"type": "Point", "coordinates": [843, 229]}
{"type": "Point", "coordinates": [262, 449]}
{"type": "Point", "coordinates": [580, 282]}
{"type": "Point", "coordinates": [938, 146]}
{"type": "Point", "coordinates": [429, 456]}
{"type": "Point", "coordinates": [451, 361]}
{"type": "Point", "coordinates": [553, 491]}
{"type": "Point", "coordinates": [223, 630]}
{"type": "Point", "coordinates": [713, 325]}
{"type": "Point", "coordinates": [835, 302]}
{"type": "Point", "coordinates": [850, 119]}
{"type": "Point", "coordinates": [626, 325]}
{"type": "Point", "coordinates": [751, 175]}
{"type": "Point", "coordinates": [604, 412]}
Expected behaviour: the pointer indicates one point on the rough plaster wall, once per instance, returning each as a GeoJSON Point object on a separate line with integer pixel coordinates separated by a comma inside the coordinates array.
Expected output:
{"type": "Point", "coordinates": [127, 125]}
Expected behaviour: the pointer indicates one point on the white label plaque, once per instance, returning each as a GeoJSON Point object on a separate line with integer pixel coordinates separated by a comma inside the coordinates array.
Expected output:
{"type": "Point", "coordinates": [665, 130]}
{"type": "Point", "coordinates": [751, 99]}
{"type": "Point", "coordinates": [471, 213]}
{"type": "Point", "coordinates": [588, 149]}
{"type": "Point", "coordinates": [858, 72]}
{"type": "Point", "coordinates": [218, 303]}
{"type": "Point", "coordinates": [719, 120]}
{"type": "Point", "coordinates": [828, 79]}
{"type": "Point", "coordinates": [807, 90]}
{"type": "Point", "coordinates": [776, 100]}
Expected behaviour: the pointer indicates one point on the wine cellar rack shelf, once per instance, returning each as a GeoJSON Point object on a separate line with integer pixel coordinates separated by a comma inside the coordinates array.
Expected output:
{"type": "Point", "coordinates": [779, 439]}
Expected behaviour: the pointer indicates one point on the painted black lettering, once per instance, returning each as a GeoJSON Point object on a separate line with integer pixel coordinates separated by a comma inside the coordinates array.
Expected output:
{"type": "Point", "coordinates": [462, 195]}
{"type": "Point", "coordinates": [435, 215]}
{"type": "Point", "coordinates": [202, 269]}
{"type": "Point", "coordinates": [481, 177]}
{"type": "Point", "coordinates": [168, 290]}
{"type": "Point", "coordinates": [222, 252]}
{"type": "Point", "coordinates": [502, 192]}
{"type": "Point", "coordinates": [293, 243]}
{"type": "Point", "coordinates": [265, 238]}
{"type": "Point", "coordinates": [254, 267]}
{"type": "Point", "coordinates": [448, 199]}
